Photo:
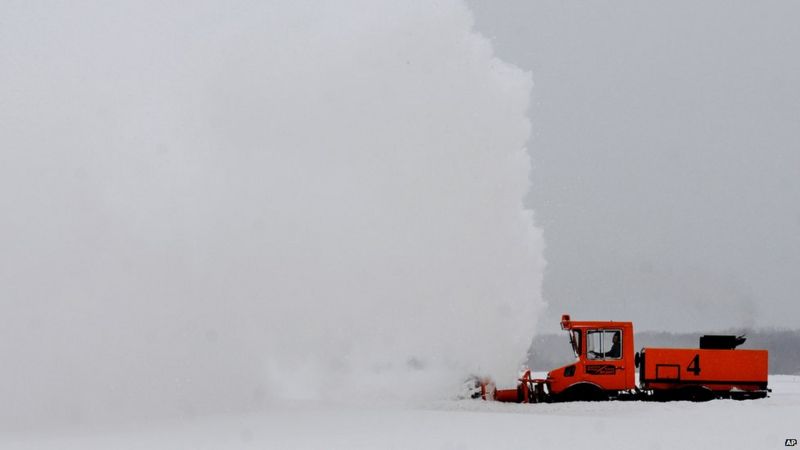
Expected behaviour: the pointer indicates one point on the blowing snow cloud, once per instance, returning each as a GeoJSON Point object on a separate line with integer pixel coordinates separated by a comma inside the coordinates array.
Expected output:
{"type": "Point", "coordinates": [206, 204]}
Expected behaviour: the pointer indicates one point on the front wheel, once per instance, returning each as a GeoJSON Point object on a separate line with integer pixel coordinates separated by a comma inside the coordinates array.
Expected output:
{"type": "Point", "coordinates": [583, 393]}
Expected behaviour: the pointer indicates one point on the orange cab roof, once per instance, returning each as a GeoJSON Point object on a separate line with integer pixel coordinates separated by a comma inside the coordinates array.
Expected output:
{"type": "Point", "coordinates": [567, 323]}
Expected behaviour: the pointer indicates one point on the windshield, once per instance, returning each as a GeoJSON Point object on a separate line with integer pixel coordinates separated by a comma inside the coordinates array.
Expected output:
{"type": "Point", "coordinates": [575, 340]}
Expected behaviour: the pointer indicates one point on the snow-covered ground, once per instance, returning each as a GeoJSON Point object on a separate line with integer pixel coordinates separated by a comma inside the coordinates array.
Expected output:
{"type": "Point", "coordinates": [465, 424]}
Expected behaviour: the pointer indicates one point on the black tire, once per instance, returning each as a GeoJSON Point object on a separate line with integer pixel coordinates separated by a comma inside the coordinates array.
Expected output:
{"type": "Point", "coordinates": [583, 393]}
{"type": "Point", "coordinates": [694, 394]}
{"type": "Point", "coordinates": [747, 395]}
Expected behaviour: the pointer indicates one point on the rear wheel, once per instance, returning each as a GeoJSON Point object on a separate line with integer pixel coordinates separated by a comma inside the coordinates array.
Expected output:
{"type": "Point", "coordinates": [748, 395]}
{"type": "Point", "coordinates": [694, 394]}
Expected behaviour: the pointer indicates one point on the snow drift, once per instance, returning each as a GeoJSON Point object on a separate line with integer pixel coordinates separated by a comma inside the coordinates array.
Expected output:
{"type": "Point", "coordinates": [209, 205]}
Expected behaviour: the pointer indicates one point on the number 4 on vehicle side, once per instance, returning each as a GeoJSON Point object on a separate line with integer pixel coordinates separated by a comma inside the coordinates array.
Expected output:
{"type": "Point", "coordinates": [694, 366]}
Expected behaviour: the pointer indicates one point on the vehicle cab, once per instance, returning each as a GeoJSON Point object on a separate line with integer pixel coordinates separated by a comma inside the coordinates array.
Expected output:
{"type": "Point", "coordinates": [604, 360]}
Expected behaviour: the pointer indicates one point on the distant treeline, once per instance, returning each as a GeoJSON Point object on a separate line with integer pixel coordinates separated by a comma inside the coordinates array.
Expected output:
{"type": "Point", "coordinates": [549, 351]}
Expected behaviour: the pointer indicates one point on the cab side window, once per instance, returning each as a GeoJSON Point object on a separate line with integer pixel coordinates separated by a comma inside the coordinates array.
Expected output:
{"type": "Point", "coordinates": [604, 344]}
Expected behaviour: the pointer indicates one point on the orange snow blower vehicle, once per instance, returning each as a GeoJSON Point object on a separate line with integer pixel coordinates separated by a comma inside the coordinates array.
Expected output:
{"type": "Point", "coordinates": [605, 368]}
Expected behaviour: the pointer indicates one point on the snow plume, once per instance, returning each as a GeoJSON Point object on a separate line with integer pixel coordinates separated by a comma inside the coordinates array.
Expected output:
{"type": "Point", "coordinates": [211, 205]}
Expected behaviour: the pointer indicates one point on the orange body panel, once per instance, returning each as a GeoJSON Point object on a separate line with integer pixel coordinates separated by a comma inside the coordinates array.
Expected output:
{"type": "Point", "coordinates": [717, 370]}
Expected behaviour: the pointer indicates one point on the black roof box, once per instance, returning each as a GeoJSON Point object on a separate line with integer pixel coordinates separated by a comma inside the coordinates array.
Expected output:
{"type": "Point", "coordinates": [721, 342]}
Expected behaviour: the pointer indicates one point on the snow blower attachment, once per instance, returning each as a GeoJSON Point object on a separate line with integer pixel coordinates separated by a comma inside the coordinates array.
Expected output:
{"type": "Point", "coordinates": [529, 390]}
{"type": "Point", "coordinates": [605, 365]}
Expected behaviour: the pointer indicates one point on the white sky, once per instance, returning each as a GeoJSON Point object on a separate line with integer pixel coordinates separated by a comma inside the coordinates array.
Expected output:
{"type": "Point", "coordinates": [667, 164]}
